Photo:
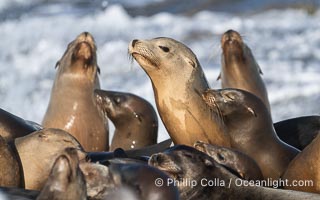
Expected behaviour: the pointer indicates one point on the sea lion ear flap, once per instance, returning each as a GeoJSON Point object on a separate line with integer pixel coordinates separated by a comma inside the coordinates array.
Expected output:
{"type": "Point", "coordinates": [57, 64]}
{"type": "Point", "coordinates": [98, 69]}
{"type": "Point", "coordinates": [251, 111]}
{"type": "Point", "coordinates": [219, 77]}
{"type": "Point", "coordinates": [189, 61]}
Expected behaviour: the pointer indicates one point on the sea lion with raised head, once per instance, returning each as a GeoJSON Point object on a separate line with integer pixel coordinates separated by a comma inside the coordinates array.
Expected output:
{"type": "Point", "coordinates": [235, 160]}
{"type": "Point", "coordinates": [10, 171]}
{"type": "Point", "coordinates": [298, 132]}
{"type": "Point", "coordinates": [12, 126]}
{"type": "Point", "coordinates": [178, 81]}
{"type": "Point", "coordinates": [72, 105]}
{"type": "Point", "coordinates": [135, 120]}
{"type": "Point", "coordinates": [199, 177]}
{"type": "Point", "coordinates": [249, 124]}
{"type": "Point", "coordinates": [66, 180]}
{"type": "Point", "coordinates": [305, 168]}
{"type": "Point", "coordinates": [38, 152]}
{"type": "Point", "coordinates": [239, 69]}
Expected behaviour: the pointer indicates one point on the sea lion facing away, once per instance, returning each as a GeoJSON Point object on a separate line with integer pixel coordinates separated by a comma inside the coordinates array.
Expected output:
{"type": "Point", "coordinates": [249, 124]}
{"type": "Point", "coordinates": [239, 68]}
{"type": "Point", "coordinates": [72, 105]}
{"type": "Point", "coordinates": [38, 152]}
{"type": "Point", "coordinates": [134, 118]}
{"type": "Point", "coordinates": [178, 80]}
{"type": "Point", "coordinates": [66, 181]}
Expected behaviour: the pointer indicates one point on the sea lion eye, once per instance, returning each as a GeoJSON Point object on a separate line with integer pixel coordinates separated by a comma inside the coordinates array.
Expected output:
{"type": "Point", "coordinates": [165, 49]}
{"type": "Point", "coordinates": [117, 100]}
{"type": "Point", "coordinates": [220, 157]}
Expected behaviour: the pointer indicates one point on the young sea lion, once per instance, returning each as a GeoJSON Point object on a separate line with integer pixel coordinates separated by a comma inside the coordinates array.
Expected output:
{"type": "Point", "coordinates": [298, 132]}
{"type": "Point", "coordinates": [178, 80]}
{"type": "Point", "coordinates": [66, 180]}
{"type": "Point", "coordinates": [72, 105]}
{"type": "Point", "coordinates": [239, 69]}
{"type": "Point", "coordinates": [38, 152]}
{"type": "Point", "coordinates": [199, 177]}
{"type": "Point", "coordinates": [305, 167]}
{"type": "Point", "coordinates": [134, 118]}
{"type": "Point", "coordinates": [234, 160]}
{"type": "Point", "coordinates": [249, 124]}
{"type": "Point", "coordinates": [10, 172]}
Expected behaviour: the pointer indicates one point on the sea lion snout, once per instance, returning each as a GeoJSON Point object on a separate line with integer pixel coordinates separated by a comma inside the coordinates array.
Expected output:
{"type": "Point", "coordinates": [85, 37]}
{"type": "Point", "coordinates": [230, 36]}
{"type": "Point", "coordinates": [83, 51]}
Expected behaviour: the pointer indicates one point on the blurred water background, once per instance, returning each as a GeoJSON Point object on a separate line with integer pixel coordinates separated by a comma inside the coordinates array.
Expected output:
{"type": "Point", "coordinates": [284, 37]}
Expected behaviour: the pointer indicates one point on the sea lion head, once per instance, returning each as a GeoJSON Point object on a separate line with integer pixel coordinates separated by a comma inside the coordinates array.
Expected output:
{"type": "Point", "coordinates": [39, 150]}
{"type": "Point", "coordinates": [66, 180]}
{"type": "Point", "coordinates": [232, 102]}
{"type": "Point", "coordinates": [185, 164]}
{"type": "Point", "coordinates": [220, 154]}
{"type": "Point", "coordinates": [236, 52]}
{"type": "Point", "coordinates": [232, 46]}
{"type": "Point", "coordinates": [80, 57]}
{"type": "Point", "coordinates": [239, 163]}
{"type": "Point", "coordinates": [180, 162]}
{"type": "Point", "coordinates": [124, 107]}
{"type": "Point", "coordinates": [165, 54]}
{"type": "Point", "coordinates": [99, 181]}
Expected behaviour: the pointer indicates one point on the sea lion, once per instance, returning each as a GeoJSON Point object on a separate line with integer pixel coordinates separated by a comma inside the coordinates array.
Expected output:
{"type": "Point", "coordinates": [298, 132]}
{"type": "Point", "coordinates": [99, 181]}
{"type": "Point", "coordinates": [249, 124]}
{"type": "Point", "coordinates": [135, 120]}
{"type": "Point", "coordinates": [38, 152]}
{"type": "Point", "coordinates": [199, 177]}
{"type": "Point", "coordinates": [305, 167]}
{"type": "Point", "coordinates": [9, 166]}
{"type": "Point", "coordinates": [66, 180]}
{"type": "Point", "coordinates": [72, 105]}
{"type": "Point", "coordinates": [142, 179]}
{"type": "Point", "coordinates": [12, 126]}
{"type": "Point", "coordinates": [234, 160]}
{"type": "Point", "coordinates": [177, 79]}
{"type": "Point", "coordinates": [239, 69]}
